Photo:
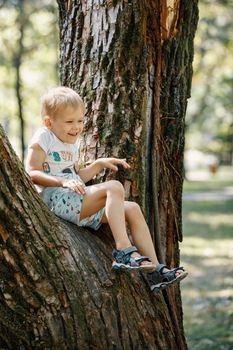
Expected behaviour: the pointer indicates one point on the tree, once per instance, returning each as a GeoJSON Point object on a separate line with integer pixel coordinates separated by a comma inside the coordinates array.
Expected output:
{"type": "Point", "coordinates": [28, 46]}
{"type": "Point", "coordinates": [17, 63]}
{"type": "Point", "coordinates": [131, 62]}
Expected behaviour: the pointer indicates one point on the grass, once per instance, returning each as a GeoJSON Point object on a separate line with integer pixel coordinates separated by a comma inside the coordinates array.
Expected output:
{"type": "Point", "coordinates": [222, 179]}
{"type": "Point", "coordinates": [207, 252]}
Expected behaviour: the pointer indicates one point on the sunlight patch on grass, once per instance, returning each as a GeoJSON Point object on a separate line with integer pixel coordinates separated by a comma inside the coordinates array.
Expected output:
{"type": "Point", "coordinates": [221, 180]}
{"type": "Point", "coordinates": [195, 294]}
{"type": "Point", "coordinates": [214, 221]}
{"type": "Point", "coordinates": [197, 246]}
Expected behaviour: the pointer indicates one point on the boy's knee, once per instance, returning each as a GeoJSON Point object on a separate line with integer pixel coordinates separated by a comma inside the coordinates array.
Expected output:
{"type": "Point", "coordinates": [133, 207]}
{"type": "Point", "coordinates": [116, 187]}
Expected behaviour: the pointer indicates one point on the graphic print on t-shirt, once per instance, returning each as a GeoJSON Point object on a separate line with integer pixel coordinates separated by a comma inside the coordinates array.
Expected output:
{"type": "Point", "coordinates": [57, 161]}
{"type": "Point", "coordinates": [56, 156]}
{"type": "Point", "coordinates": [65, 155]}
{"type": "Point", "coordinates": [60, 156]}
{"type": "Point", "coordinates": [46, 167]}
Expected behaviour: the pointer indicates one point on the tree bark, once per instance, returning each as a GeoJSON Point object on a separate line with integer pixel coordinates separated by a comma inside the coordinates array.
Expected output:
{"type": "Point", "coordinates": [17, 60]}
{"type": "Point", "coordinates": [57, 290]}
{"type": "Point", "coordinates": [131, 62]}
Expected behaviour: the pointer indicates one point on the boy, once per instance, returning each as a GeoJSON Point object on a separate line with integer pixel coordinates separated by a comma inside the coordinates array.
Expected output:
{"type": "Point", "coordinates": [52, 163]}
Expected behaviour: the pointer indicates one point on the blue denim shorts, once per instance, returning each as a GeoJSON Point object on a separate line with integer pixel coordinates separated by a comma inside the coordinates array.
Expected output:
{"type": "Point", "coordinates": [67, 204]}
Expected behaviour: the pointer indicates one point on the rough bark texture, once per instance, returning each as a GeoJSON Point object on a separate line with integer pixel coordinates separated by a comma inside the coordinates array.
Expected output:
{"type": "Point", "coordinates": [131, 62]}
{"type": "Point", "coordinates": [57, 290]}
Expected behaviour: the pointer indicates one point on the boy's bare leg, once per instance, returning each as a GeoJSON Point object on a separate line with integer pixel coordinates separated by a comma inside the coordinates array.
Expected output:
{"type": "Point", "coordinates": [111, 196]}
{"type": "Point", "coordinates": [139, 231]}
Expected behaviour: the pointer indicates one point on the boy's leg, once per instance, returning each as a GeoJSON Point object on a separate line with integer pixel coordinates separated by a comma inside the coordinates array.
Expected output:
{"type": "Point", "coordinates": [110, 195]}
{"type": "Point", "coordinates": [139, 231]}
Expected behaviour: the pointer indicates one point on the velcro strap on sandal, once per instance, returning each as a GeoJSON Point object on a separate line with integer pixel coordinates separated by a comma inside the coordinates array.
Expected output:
{"type": "Point", "coordinates": [124, 252]}
{"type": "Point", "coordinates": [178, 268]}
{"type": "Point", "coordinates": [170, 275]}
{"type": "Point", "coordinates": [129, 250]}
{"type": "Point", "coordinates": [160, 267]}
{"type": "Point", "coordinates": [142, 258]}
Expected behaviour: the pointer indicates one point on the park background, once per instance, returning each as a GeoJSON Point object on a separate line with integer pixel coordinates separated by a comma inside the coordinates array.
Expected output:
{"type": "Point", "coordinates": [29, 65]}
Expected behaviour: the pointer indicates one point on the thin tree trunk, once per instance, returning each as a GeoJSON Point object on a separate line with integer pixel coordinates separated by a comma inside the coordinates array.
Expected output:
{"type": "Point", "coordinates": [17, 63]}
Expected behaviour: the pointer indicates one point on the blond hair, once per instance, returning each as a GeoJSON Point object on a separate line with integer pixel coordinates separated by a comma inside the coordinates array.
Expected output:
{"type": "Point", "coordinates": [57, 98]}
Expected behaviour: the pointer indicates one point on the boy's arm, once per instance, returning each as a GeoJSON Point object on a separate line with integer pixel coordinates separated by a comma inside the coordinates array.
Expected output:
{"type": "Point", "coordinates": [34, 167]}
{"type": "Point", "coordinates": [91, 170]}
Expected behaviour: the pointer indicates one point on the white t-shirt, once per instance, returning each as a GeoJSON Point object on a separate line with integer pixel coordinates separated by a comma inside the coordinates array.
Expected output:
{"type": "Point", "coordinates": [59, 155]}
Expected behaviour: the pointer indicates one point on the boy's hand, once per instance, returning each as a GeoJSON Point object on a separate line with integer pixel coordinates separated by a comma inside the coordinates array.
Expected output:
{"type": "Point", "coordinates": [112, 163]}
{"type": "Point", "coordinates": [74, 185]}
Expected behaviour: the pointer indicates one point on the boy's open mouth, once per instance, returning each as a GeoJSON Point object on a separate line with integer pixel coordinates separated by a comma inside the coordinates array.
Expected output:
{"type": "Point", "coordinates": [74, 134]}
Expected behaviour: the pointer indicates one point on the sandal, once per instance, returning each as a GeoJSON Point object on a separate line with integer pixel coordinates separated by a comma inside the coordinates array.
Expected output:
{"type": "Point", "coordinates": [124, 260]}
{"type": "Point", "coordinates": [159, 280]}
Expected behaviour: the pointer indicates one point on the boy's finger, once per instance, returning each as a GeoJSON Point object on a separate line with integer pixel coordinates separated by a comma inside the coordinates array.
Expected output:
{"type": "Point", "coordinates": [75, 188]}
{"type": "Point", "coordinates": [125, 164]}
{"type": "Point", "coordinates": [81, 189]}
{"type": "Point", "coordinates": [121, 160]}
{"type": "Point", "coordinates": [124, 160]}
{"type": "Point", "coordinates": [113, 167]}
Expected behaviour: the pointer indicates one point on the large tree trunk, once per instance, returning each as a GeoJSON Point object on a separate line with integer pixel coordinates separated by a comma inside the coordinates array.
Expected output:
{"type": "Point", "coordinates": [131, 61]}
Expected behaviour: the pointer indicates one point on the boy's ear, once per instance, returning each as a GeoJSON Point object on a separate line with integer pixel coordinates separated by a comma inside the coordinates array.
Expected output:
{"type": "Point", "coordinates": [47, 121]}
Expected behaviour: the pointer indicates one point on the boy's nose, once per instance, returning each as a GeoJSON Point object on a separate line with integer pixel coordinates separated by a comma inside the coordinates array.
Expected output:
{"type": "Point", "coordinates": [76, 129]}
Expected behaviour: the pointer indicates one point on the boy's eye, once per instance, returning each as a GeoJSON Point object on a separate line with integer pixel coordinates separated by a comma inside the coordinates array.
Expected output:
{"type": "Point", "coordinates": [71, 121]}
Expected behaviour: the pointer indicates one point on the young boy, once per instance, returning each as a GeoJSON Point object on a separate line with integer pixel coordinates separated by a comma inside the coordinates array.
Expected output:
{"type": "Point", "coordinates": [52, 163]}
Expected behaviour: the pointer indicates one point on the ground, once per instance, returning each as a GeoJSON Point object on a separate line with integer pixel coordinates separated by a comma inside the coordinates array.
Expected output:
{"type": "Point", "coordinates": [207, 252]}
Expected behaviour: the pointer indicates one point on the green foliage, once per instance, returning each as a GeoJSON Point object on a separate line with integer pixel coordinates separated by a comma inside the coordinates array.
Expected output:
{"type": "Point", "coordinates": [39, 69]}
{"type": "Point", "coordinates": [207, 254]}
{"type": "Point", "coordinates": [210, 110]}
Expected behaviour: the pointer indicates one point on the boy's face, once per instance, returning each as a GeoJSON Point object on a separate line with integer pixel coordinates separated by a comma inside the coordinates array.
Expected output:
{"type": "Point", "coordinates": [67, 125]}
